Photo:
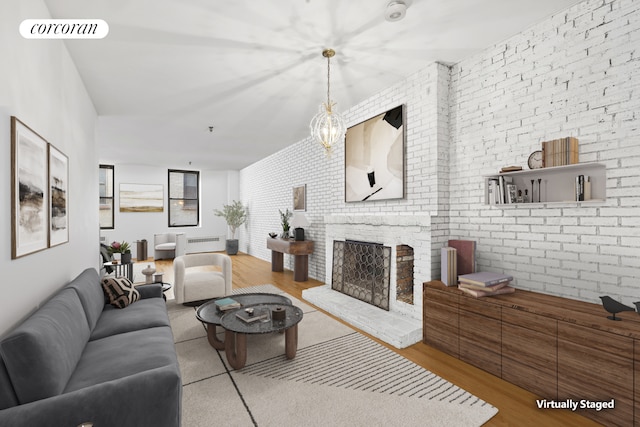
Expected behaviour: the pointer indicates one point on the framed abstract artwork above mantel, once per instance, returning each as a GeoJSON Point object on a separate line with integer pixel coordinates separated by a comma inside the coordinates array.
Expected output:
{"type": "Point", "coordinates": [29, 191]}
{"type": "Point", "coordinates": [374, 158]}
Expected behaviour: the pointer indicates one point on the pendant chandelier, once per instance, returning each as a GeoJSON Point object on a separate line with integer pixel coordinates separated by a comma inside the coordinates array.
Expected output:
{"type": "Point", "coordinates": [328, 127]}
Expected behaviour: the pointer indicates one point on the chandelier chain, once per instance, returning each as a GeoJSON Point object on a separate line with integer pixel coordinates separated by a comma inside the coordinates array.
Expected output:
{"type": "Point", "coordinates": [328, 80]}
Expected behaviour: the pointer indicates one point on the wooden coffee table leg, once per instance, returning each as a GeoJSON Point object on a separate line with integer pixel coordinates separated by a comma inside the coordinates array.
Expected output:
{"type": "Point", "coordinates": [291, 341]}
{"type": "Point", "coordinates": [235, 347]}
{"type": "Point", "coordinates": [213, 337]}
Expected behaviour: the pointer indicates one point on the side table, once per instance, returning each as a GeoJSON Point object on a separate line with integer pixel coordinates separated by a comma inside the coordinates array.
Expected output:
{"type": "Point", "coordinates": [124, 269]}
{"type": "Point", "coordinates": [300, 251]}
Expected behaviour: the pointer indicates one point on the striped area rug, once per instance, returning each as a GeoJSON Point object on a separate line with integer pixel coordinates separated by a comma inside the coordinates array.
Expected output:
{"type": "Point", "coordinates": [358, 363]}
{"type": "Point", "coordinates": [339, 377]}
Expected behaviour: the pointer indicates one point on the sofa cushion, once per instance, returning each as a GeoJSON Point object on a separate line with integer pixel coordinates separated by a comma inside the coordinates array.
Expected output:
{"type": "Point", "coordinates": [120, 291]}
{"type": "Point", "coordinates": [146, 313]}
{"type": "Point", "coordinates": [87, 285]}
{"type": "Point", "coordinates": [119, 356]}
{"type": "Point", "coordinates": [42, 353]}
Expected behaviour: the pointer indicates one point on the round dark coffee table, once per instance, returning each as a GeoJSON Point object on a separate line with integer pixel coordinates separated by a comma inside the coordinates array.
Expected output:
{"type": "Point", "coordinates": [236, 330]}
{"type": "Point", "coordinates": [209, 314]}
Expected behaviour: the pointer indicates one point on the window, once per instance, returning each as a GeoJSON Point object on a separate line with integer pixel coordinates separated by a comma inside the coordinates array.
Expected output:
{"type": "Point", "coordinates": [106, 196]}
{"type": "Point", "coordinates": [184, 201]}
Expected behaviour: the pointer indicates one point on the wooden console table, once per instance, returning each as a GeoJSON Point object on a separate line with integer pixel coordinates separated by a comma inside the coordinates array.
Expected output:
{"type": "Point", "coordinates": [300, 251]}
{"type": "Point", "coordinates": [555, 347]}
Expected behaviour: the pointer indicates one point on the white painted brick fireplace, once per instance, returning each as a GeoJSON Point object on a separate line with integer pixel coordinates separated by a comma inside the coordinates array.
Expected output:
{"type": "Point", "coordinates": [401, 326]}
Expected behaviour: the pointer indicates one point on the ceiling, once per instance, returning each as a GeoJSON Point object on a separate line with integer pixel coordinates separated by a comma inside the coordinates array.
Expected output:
{"type": "Point", "coordinates": [170, 69]}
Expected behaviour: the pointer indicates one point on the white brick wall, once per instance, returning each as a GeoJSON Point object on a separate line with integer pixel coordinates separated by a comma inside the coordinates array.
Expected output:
{"type": "Point", "coordinates": [575, 74]}
{"type": "Point", "coordinates": [266, 186]}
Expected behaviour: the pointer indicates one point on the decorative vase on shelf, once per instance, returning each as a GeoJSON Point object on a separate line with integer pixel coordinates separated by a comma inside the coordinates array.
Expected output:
{"type": "Point", "coordinates": [116, 257]}
{"type": "Point", "coordinates": [126, 257]}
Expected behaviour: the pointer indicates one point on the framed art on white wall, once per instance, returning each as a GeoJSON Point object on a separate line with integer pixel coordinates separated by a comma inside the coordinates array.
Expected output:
{"type": "Point", "coordinates": [58, 197]}
{"type": "Point", "coordinates": [29, 191]}
{"type": "Point", "coordinates": [300, 198]}
{"type": "Point", "coordinates": [374, 158]}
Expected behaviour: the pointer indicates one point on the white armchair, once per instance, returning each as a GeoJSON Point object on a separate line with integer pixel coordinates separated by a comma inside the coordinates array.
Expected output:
{"type": "Point", "coordinates": [169, 245]}
{"type": "Point", "coordinates": [195, 282]}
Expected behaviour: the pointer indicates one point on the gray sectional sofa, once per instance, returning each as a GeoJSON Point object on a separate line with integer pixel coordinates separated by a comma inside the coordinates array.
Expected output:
{"type": "Point", "coordinates": [78, 360]}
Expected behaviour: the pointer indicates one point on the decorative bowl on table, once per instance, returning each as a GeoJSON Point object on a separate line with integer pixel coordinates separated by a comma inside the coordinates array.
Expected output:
{"type": "Point", "coordinates": [273, 235]}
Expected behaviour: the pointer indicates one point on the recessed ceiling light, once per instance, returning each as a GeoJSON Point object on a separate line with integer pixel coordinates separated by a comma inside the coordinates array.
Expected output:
{"type": "Point", "coordinates": [395, 11]}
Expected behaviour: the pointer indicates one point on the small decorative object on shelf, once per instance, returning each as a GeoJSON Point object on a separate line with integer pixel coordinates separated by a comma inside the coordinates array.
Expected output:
{"type": "Point", "coordinates": [539, 190]}
{"type": "Point", "coordinates": [273, 235]}
{"type": "Point", "coordinates": [613, 307]}
{"type": "Point", "coordinates": [535, 160]}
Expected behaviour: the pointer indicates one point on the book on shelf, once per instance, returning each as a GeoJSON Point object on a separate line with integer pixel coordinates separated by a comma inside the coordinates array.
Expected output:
{"type": "Point", "coordinates": [251, 317]}
{"type": "Point", "coordinates": [560, 152]}
{"type": "Point", "coordinates": [227, 303]}
{"type": "Point", "coordinates": [483, 288]}
{"type": "Point", "coordinates": [479, 293]}
{"type": "Point", "coordinates": [448, 269]}
{"type": "Point", "coordinates": [510, 169]}
{"type": "Point", "coordinates": [485, 278]}
{"type": "Point", "coordinates": [465, 255]}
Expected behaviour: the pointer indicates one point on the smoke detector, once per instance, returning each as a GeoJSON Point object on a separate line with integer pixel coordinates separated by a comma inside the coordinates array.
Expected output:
{"type": "Point", "coordinates": [395, 11]}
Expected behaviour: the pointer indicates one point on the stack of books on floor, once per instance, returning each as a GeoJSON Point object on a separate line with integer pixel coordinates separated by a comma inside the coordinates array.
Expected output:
{"type": "Point", "coordinates": [485, 283]}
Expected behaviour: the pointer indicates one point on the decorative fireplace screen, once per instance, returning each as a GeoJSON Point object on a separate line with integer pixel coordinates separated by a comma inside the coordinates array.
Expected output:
{"type": "Point", "coordinates": [362, 270]}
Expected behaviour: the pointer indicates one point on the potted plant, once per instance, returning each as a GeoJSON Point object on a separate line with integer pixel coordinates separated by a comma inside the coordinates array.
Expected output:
{"type": "Point", "coordinates": [235, 214]}
{"type": "Point", "coordinates": [284, 220]}
{"type": "Point", "coordinates": [123, 249]}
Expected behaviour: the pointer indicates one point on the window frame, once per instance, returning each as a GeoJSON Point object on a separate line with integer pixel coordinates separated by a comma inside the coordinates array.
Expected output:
{"type": "Point", "coordinates": [170, 199]}
{"type": "Point", "coordinates": [111, 197]}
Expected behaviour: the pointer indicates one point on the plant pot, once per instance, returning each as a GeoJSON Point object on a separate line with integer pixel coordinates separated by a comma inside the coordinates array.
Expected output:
{"type": "Point", "coordinates": [232, 246]}
{"type": "Point", "coordinates": [126, 257]}
{"type": "Point", "coordinates": [116, 257]}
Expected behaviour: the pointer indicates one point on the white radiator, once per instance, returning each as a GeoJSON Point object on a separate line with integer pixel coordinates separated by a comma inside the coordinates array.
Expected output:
{"type": "Point", "coordinates": [205, 244]}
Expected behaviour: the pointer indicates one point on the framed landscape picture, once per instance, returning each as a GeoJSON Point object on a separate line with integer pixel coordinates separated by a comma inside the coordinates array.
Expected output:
{"type": "Point", "coordinates": [141, 198]}
{"type": "Point", "coordinates": [58, 197]}
{"type": "Point", "coordinates": [374, 158]}
{"type": "Point", "coordinates": [29, 191]}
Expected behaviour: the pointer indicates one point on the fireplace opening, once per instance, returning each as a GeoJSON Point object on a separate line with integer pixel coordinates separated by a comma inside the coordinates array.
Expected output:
{"type": "Point", "coordinates": [362, 271]}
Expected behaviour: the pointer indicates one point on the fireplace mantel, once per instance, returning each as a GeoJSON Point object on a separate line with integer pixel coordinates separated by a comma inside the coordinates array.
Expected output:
{"type": "Point", "coordinates": [380, 219]}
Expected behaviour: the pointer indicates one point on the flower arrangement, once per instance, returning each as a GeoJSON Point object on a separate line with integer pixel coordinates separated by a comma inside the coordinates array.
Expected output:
{"type": "Point", "coordinates": [284, 219]}
{"type": "Point", "coordinates": [120, 248]}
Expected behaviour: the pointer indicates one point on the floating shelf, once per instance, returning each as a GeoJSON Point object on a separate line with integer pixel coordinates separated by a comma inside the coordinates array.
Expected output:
{"type": "Point", "coordinates": [557, 185]}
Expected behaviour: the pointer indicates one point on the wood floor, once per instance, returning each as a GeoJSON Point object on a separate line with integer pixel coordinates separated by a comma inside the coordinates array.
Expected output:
{"type": "Point", "coordinates": [517, 407]}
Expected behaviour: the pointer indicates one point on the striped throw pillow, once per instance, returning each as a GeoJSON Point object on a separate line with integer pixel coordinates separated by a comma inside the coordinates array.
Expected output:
{"type": "Point", "coordinates": [120, 291]}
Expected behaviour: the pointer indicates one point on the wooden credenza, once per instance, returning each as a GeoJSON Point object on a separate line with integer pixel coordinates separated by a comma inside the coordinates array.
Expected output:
{"type": "Point", "coordinates": [555, 347]}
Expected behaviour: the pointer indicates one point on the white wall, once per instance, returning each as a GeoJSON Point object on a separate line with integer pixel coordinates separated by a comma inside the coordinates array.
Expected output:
{"type": "Point", "coordinates": [575, 74]}
{"type": "Point", "coordinates": [216, 189]}
{"type": "Point", "coordinates": [40, 85]}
